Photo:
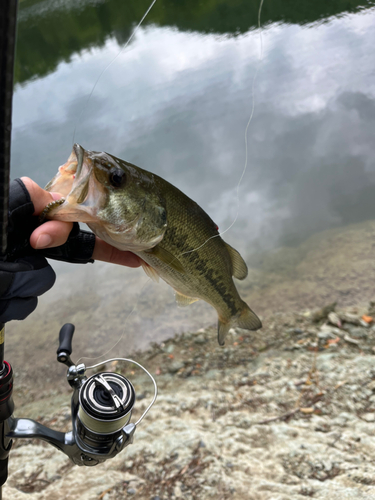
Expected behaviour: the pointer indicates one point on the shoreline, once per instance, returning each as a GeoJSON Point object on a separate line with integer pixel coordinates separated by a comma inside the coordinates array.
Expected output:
{"type": "Point", "coordinates": [286, 414]}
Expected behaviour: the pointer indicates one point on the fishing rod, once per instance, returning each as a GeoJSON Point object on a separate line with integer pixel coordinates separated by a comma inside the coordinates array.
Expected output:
{"type": "Point", "coordinates": [101, 404]}
{"type": "Point", "coordinates": [8, 15]}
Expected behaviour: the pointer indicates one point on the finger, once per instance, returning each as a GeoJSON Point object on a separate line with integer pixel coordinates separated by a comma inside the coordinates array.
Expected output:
{"type": "Point", "coordinates": [50, 234]}
{"type": "Point", "coordinates": [39, 196]}
{"type": "Point", "coordinates": [107, 253]}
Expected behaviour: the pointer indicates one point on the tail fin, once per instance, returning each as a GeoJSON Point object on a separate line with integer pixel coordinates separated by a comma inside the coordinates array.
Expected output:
{"type": "Point", "coordinates": [247, 319]}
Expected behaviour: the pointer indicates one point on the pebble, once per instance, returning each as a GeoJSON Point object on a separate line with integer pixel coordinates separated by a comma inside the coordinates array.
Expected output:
{"type": "Point", "coordinates": [369, 417]}
{"type": "Point", "coordinates": [200, 340]}
{"type": "Point", "coordinates": [334, 319]}
{"type": "Point", "coordinates": [131, 491]}
{"type": "Point", "coordinates": [175, 366]}
{"type": "Point", "coordinates": [326, 334]}
{"type": "Point", "coordinates": [357, 332]}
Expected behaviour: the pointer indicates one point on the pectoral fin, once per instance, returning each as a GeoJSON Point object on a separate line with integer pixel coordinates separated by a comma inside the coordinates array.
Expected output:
{"type": "Point", "coordinates": [166, 257]}
{"type": "Point", "coordinates": [150, 271]}
{"type": "Point", "coordinates": [238, 264]}
{"type": "Point", "coordinates": [183, 300]}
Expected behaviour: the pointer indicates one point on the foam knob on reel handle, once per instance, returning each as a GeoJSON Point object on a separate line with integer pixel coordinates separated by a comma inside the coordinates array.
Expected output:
{"type": "Point", "coordinates": [65, 339]}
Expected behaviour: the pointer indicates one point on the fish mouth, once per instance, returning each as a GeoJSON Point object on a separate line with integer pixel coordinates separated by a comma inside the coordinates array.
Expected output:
{"type": "Point", "coordinates": [83, 195]}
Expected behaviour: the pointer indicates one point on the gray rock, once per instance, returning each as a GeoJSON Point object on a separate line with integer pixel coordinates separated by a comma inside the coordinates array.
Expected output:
{"type": "Point", "coordinates": [357, 332]}
{"type": "Point", "coordinates": [175, 366]}
{"type": "Point", "coordinates": [200, 340]}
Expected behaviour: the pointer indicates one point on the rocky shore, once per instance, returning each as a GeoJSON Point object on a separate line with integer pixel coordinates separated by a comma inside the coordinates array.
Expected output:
{"type": "Point", "coordinates": [288, 412]}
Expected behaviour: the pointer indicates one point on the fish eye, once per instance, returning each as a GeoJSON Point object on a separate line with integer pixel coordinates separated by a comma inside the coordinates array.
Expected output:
{"type": "Point", "coordinates": [117, 178]}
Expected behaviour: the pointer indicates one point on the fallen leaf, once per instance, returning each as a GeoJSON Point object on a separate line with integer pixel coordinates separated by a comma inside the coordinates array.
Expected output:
{"type": "Point", "coordinates": [368, 319]}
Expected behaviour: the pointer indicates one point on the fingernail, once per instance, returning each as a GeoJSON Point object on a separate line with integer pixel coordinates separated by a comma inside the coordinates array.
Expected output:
{"type": "Point", "coordinates": [43, 241]}
{"type": "Point", "coordinates": [56, 196]}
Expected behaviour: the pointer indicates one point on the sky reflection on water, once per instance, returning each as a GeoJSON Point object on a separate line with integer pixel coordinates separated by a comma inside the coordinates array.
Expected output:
{"type": "Point", "coordinates": [177, 103]}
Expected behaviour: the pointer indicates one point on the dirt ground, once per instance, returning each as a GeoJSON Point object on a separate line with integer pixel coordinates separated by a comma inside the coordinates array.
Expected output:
{"type": "Point", "coordinates": [286, 414]}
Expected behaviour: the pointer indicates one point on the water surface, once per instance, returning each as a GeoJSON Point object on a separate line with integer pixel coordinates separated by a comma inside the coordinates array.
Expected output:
{"type": "Point", "coordinates": [176, 101]}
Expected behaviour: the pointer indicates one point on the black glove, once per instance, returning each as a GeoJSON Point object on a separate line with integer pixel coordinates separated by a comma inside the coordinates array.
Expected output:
{"type": "Point", "coordinates": [21, 282]}
{"type": "Point", "coordinates": [78, 248]}
{"type": "Point", "coordinates": [26, 274]}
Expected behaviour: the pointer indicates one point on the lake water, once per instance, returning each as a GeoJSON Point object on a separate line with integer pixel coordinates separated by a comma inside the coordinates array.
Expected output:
{"type": "Point", "coordinates": [176, 102]}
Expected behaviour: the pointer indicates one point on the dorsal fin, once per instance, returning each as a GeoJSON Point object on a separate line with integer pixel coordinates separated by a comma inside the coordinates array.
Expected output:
{"type": "Point", "coordinates": [238, 264]}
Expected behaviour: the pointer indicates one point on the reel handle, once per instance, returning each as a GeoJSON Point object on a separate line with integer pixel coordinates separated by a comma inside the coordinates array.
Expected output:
{"type": "Point", "coordinates": [65, 344]}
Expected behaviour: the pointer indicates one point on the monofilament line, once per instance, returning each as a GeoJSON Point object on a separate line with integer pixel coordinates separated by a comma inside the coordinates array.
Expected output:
{"type": "Point", "coordinates": [250, 119]}
{"type": "Point", "coordinates": [109, 64]}
{"type": "Point", "coordinates": [246, 134]}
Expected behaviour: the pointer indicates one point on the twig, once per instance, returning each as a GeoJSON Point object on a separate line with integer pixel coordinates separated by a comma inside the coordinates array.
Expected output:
{"type": "Point", "coordinates": [279, 417]}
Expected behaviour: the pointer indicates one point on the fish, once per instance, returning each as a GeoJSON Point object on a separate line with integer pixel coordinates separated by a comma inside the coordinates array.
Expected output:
{"type": "Point", "coordinates": [136, 210]}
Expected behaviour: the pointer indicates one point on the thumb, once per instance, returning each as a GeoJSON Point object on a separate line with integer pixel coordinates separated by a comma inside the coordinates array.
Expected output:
{"type": "Point", "coordinates": [39, 196]}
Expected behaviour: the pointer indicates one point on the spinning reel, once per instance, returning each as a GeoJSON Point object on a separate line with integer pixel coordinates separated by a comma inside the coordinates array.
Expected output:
{"type": "Point", "coordinates": [101, 409]}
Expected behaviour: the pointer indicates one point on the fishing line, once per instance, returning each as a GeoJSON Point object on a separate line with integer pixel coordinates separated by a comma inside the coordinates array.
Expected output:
{"type": "Point", "coordinates": [246, 134]}
{"type": "Point", "coordinates": [123, 331]}
{"type": "Point", "coordinates": [108, 65]}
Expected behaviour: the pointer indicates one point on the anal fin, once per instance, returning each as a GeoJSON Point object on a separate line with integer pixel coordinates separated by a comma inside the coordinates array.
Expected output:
{"type": "Point", "coordinates": [222, 331]}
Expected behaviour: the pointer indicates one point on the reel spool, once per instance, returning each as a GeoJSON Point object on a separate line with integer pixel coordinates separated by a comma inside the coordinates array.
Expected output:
{"type": "Point", "coordinates": [105, 405]}
{"type": "Point", "coordinates": [106, 401]}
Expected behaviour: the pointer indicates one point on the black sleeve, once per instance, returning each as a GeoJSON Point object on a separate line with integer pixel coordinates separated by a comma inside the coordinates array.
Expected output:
{"type": "Point", "coordinates": [78, 249]}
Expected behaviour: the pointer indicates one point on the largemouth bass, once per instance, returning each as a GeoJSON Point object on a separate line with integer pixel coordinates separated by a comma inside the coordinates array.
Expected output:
{"type": "Point", "coordinates": [132, 209]}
